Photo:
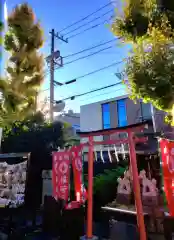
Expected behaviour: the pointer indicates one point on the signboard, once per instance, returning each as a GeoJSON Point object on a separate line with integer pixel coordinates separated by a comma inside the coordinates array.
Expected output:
{"type": "Point", "coordinates": [60, 175]}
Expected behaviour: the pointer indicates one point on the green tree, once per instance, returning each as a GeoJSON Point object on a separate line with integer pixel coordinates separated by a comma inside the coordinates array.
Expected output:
{"type": "Point", "coordinates": [25, 66]}
{"type": "Point", "coordinates": [28, 136]}
{"type": "Point", "coordinates": [149, 27]}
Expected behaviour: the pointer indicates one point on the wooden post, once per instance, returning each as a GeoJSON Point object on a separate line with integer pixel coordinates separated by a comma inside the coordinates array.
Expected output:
{"type": "Point", "coordinates": [136, 187]}
{"type": "Point", "coordinates": [90, 190]}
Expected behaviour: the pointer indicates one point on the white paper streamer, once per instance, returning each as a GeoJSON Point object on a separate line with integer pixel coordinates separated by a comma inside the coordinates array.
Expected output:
{"type": "Point", "coordinates": [116, 154]}
{"type": "Point", "coordinates": [123, 151]}
{"type": "Point", "coordinates": [101, 155]}
{"type": "Point", "coordinates": [109, 155]}
{"type": "Point", "coordinates": [95, 154]}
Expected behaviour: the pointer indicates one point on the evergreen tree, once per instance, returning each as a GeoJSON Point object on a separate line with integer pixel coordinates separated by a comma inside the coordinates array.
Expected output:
{"type": "Point", "coordinates": [25, 66]}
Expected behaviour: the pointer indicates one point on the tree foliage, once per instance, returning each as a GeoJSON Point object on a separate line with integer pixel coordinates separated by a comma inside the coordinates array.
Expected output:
{"type": "Point", "coordinates": [149, 27]}
{"type": "Point", "coordinates": [35, 133]}
{"type": "Point", "coordinates": [29, 135]}
{"type": "Point", "coordinates": [25, 66]}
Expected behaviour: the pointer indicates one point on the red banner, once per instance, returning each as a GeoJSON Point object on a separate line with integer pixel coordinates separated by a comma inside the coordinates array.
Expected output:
{"type": "Point", "coordinates": [78, 173]}
{"type": "Point", "coordinates": [167, 154]}
{"type": "Point", "coordinates": [80, 191]}
{"type": "Point", "coordinates": [60, 175]}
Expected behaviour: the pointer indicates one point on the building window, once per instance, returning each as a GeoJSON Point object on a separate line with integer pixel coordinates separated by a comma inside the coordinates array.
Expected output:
{"type": "Point", "coordinates": [121, 111]}
{"type": "Point", "coordinates": [146, 111]}
{"type": "Point", "coordinates": [106, 115]}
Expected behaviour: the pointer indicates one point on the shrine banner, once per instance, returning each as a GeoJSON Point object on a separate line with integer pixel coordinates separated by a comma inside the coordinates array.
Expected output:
{"type": "Point", "coordinates": [167, 154]}
{"type": "Point", "coordinates": [77, 165]}
{"type": "Point", "coordinates": [60, 175]}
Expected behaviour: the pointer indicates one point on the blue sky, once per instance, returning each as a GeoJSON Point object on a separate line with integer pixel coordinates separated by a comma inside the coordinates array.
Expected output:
{"type": "Point", "coordinates": [61, 13]}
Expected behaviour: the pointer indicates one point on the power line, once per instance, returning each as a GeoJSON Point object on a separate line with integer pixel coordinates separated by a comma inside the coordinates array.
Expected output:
{"type": "Point", "coordinates": [89, 55]}
{"type": "Point", "coordinates": [87, 23]}
{"type": "Point", "coordinates": [84, 50]}
{"type": "Point", "coordinates": [87, 29]}
{"type": "Point", "coordinates": [102, 94]}
{"type": "Point", "coordinates": [95, 71]}
{"type": "Point", "coordinates": [86, 17]}
{"type": "Point", "coordinates": [89, 92]}
{"type": "Point", "coordinates": [90, 48]}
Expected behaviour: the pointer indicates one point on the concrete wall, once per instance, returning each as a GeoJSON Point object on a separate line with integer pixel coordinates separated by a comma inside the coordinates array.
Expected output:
{"type": "Point", "coordinates": [91, 120]}
{"type": "Point", "coordinates": [91, 117]}
{"type": "Point", "coordinates": [133, 111]}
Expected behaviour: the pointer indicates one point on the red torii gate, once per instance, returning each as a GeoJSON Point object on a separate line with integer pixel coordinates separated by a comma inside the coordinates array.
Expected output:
{"type": "Point", "coordinates": [131, 140]}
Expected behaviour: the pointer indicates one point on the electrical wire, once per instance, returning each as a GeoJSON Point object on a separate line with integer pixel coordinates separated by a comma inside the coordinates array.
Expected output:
{"type": "Point", "coordinates": [100, 69]}
{"type": "Point", "coordinates": [90, 73]}
{"type": "Point", "coordinates": [92, 91]}
{"type": "Point", "coordinates": [86, 17]}
{"type": "Point", "coordinates": [87, 23]}
{"type": "Point", "coordinates": [89, 55]}
{"type": "Point", "coordinates": [90, 48]}
{"type": "Point", "coordinates": [92, 27]}
{"type": "Point", "coordinates": [102, 94]}
{"type": "Point", "coordinates": [98, 95]}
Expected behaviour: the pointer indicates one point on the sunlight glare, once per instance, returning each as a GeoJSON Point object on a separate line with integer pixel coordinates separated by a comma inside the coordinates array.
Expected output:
{"type": "Point", "coordinates": [5, 11]}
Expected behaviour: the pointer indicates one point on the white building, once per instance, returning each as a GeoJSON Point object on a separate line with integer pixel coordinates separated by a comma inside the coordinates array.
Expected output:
{"type": "Point", "coordinates": [70, 117]}
{"type": "Point", "coordinates": [118, 112]}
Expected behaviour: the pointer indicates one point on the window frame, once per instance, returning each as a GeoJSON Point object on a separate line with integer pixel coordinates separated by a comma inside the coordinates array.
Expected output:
{"type": "Point", "coordinates": [118, 121]}
{"type": "Point", "coordinates": [107, 103]}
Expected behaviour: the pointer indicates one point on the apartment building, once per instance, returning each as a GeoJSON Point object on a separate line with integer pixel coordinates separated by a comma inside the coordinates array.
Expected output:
{"type": "Point", "coordinates": [121, 112]}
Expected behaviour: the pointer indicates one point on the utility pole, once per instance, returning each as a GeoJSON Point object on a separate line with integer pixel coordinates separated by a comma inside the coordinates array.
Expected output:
{"type": "Point", "coordinates": [52, 76]}
{"type": "Point", "coordinates": [52, 59]}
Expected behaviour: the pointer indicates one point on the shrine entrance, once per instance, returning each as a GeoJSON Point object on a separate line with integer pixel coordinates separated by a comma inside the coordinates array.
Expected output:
{"type": "Point", "coordinates": [110, 138]}
{"type": "Point", "coordinates": [114, 138]}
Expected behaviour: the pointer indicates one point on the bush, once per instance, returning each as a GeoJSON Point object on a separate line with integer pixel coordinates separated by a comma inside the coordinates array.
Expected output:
{"type": "Point", "coordinates": [105, 185]}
